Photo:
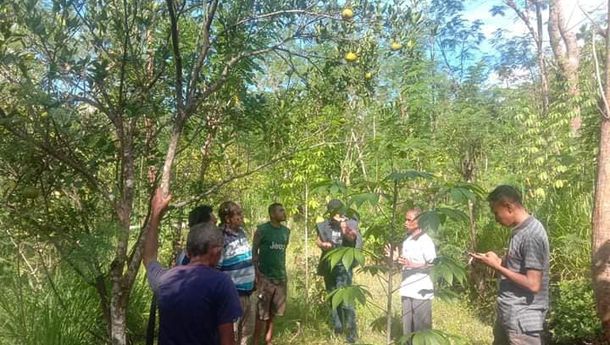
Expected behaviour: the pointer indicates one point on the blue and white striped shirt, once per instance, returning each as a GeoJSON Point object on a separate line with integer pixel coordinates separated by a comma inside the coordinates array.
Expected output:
{"type": "Point", "coordinates": [236, 260]}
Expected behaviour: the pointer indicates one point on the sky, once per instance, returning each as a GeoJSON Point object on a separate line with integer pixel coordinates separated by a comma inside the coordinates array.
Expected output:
{"type": "Point", "coordinates": [479, 9]}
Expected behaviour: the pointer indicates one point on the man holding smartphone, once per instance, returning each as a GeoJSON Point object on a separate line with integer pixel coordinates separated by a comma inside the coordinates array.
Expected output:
{"type": "Point", "coordinates": [338, 231]}
{"type": "Point", "coordinates": [523, 294]}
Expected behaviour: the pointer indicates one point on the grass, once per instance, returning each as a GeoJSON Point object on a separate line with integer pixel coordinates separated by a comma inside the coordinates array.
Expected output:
{"type": "Point", "coordinates": [451, 317]}
{"type": "Point", "coordinates": [305, 322]}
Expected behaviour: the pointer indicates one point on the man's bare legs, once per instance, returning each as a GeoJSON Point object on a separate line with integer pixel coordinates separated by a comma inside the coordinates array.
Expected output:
{"type": "Point", "coordinates": [267, 325]}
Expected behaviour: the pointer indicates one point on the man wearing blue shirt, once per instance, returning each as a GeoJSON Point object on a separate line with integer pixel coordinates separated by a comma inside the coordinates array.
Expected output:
{"type": "Point", "coordinates": [197, 303]}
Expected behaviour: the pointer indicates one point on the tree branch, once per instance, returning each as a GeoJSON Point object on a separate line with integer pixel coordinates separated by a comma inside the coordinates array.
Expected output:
{"type": "Point", "coordinates": [525, 19]}
{"type": "Point", "coordinates": [600, 31]}
{"type": "Point", "coordinates": [254, 170]}
{"type": "Point", "coordinates": [205, 47]}
{"type": "Point", "coordinates": [282, 12]}
{"type": "Point", "coordinates": [76, 165]}
{"type": "Point", "coordinates": [177, 56]}
{"type": "Point", "coordinates": [606, 111]}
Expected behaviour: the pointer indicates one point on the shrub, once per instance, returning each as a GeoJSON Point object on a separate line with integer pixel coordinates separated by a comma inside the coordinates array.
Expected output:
{"type": "Point", "coordinates": [573, 319]}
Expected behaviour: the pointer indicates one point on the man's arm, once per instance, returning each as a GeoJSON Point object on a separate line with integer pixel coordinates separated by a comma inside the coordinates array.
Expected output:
{"type": "Point", "coordinates": [348, 232]}
{"type": "Point", "coordinates": [323, 244]}
{"type": "Point", "coordinates": [228, 309]}
{"type": "Point", "coordinates": [531, 280]}
{"type": "Point", "coordinates": [226, 334]}
{"type": "Point", "coordinates": [406, 263]}
{"type": "Point", "coordinates": [158, 205]}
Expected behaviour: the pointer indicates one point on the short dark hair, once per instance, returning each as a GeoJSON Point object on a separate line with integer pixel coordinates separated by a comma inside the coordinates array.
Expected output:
{"type": "Point", "coordinates": [505, 193]}
{"type": "Point", "coordinates": [226, 210]}
{"type": "Point", "coordinates": [200, 214]}
{"type": "Point", "coordinates": [273, 206]}
{"type": "Point", "coordinates": [201, 238]}
{"type": "Point", "coordinates": [415, 210]}
{"type": "Point", "coordinates": [335, 206]}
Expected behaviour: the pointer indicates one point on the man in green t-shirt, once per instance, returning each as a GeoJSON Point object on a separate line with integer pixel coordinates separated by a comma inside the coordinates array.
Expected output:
{"type": "Point", "coordinates": [269, 259]}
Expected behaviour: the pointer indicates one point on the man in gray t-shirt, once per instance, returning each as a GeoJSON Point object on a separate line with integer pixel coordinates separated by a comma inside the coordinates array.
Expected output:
{"type": "Point", "coordinates": [523, 294]}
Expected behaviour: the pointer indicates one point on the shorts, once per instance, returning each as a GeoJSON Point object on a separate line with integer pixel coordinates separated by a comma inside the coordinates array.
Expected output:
{"type": "Point", "coordinates": [271, 298]}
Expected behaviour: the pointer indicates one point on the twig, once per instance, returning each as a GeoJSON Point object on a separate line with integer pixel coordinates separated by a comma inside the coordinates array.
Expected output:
{"type": "Point", "coordinates": [598, 28]}
{"type": "Point", "coordinates": [244, 174]}
{"type": "Point", "coordinates": [32, 270]}
{"type": "Point", "coordinates": [598, 78]}
{"type": "Point", "coordinates": [177, 55]}
{"type": "Point", "coordinates": [204, 51]}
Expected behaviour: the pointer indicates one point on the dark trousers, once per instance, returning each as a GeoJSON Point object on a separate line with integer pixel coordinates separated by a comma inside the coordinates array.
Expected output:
{"type": "Point", "coordinates": [416, 315]}
{"type": "Point", "coordinates": [344, 317]}
{"type": "Point", "coordinates": [506, 337]}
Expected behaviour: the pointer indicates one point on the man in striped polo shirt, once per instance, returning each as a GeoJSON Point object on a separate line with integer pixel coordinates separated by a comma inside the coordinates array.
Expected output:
{"type": "Point", "coordinates": [523, 293]}
{"type": "Point", "coordinates": [236, 261]}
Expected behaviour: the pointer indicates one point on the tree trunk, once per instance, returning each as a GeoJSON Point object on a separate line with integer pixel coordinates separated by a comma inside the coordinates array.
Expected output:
{"type": "Point", "coordinates": [473, 226]}
{"type": "Point", "coordinates": [118, 313]}
{"type": "Point", "coordinates": [565, 49]}
{"type": "Point", "coordinates": [390, 289]}
{"type": "Point", "coordinates": [563, 43]}
{"type": "Point", "coordinates": [601, 209]}
{"type": "Point", "coordinates": [601, 231]}
{"type": "Point", "coordinates": [544, 80]}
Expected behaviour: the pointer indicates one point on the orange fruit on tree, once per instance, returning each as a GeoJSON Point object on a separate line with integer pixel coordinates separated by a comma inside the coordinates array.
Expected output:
{"type": "Point", "coordinates": [347, 13]}
{"type": "Point", "coordinates": [351, 56]}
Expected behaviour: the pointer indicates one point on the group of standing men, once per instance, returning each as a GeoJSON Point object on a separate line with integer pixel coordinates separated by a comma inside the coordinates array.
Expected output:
{"type": "Point", "coordinates": [206, 299]}
{"type": "Point", "coordinates": [523, 291]}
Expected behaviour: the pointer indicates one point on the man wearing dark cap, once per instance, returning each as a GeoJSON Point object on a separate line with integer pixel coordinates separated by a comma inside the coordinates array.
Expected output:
{"type": "Point", "coordinates": [338, 231]}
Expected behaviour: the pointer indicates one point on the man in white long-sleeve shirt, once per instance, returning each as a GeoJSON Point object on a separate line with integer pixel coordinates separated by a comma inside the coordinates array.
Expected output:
{"type": "Point", "coordinates": [416, 290]}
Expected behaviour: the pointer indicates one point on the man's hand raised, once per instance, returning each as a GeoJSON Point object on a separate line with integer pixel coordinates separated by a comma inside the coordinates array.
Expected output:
{"type": "Point", "coordinates": [159, 203]}
{"type": "Point", "coordinates": [158, 206]}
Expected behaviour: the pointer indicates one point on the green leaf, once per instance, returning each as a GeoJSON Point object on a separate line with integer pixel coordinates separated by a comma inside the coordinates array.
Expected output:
{"type": "Point", "coordinates": [370, 198]}
{"type": "Point", "coordinates": [359, 256]}
{"type": "Point", "coordinates": [429, 221]}
{"type": "Point", "coordinates": [335, 256]}
{"type": "Point", "coordinates": [337, 298]}
{"type": "Point", "coordinates": [448, 270]}
{"type": "Point", "coordinates": [430, 337]}
{"type": "Point", "coordinates": [348, 258]}
{"type": "Point", "coordinates": [453, 213]}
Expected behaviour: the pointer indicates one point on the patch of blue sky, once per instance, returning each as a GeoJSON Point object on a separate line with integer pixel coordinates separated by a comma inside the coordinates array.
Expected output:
{"type": "Point", "coordinates": [576, 13]}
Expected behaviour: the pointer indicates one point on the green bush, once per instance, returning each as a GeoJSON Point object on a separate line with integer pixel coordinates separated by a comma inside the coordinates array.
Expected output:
{"type": "Point", "coordinates": [573, 319]}
{"type": "Point", "coordinates": [36, 314]}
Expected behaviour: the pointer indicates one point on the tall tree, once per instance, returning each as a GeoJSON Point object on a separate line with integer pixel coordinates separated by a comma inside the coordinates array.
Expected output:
{"type": "Point", "coordinates": [601, 208]}
{"type": "Point", "coordinates": [531, 15]}
{"type": "Point", "coordinates": [90, 88]}
{"type": "Point", "coordinates": [566, 51]}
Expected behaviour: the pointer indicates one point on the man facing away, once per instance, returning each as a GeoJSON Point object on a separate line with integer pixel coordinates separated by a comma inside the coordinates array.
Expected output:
{"type": "Point", "coordinates": [338, 231]}
{"type": "Point", "coordinates": [198, 215]}
{"type": "Point", "coordinates": [236, 262]}
{"type": "Point", "coordinates": [523, 294]}
{"type": "Point", "coordinates": [197, 303]}
{"type": "Point", "coordinates": [269, 258]}
{"type": "Point", "coordinates": [416, 289]}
